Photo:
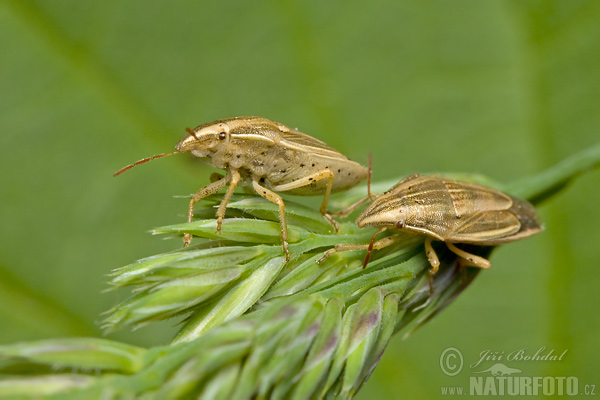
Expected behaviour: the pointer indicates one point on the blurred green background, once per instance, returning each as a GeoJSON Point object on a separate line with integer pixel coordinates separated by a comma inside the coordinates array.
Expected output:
{"type": "Point", "coordinates": [502, 88]}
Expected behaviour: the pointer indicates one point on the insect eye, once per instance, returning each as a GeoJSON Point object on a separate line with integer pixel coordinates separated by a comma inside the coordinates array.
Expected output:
{"type": "Point", "coordinates": [400, 224]}
{"type": "Point", "coordinates": [222, 135]}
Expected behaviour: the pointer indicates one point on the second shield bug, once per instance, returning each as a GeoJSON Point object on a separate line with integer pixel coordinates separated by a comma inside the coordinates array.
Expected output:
{"type": "Point", "coordinates": [449, 211]}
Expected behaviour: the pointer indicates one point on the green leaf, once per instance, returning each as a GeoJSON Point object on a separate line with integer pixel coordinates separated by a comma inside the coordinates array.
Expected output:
{"type": "Point", "coordinates": [32, 387]}
{"type": "Point", "coordinates": [321, 353]}
{"type": "Point", "coordinates": [171, 298]}
{"type": "Point", "coordinates": [182, 263]}
{"type": "Point", "coordinates": [78, 353]}
{"type": "Point", "coordinates": [234, 303]}
{"type": "Point", "coordinates": [239, 230]}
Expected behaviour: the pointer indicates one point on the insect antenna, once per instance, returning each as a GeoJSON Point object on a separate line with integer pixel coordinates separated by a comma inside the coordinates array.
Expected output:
{"type": "Point", "coordinates": [145, 160]}
{"type": "Point", "coordinates": [369, 176]}
{"type": "Point", "coordinates": [370, 249]}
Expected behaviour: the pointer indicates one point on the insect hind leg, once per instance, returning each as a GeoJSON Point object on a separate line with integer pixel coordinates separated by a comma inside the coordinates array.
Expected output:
{"type": "Point", "coordinates": [308, 180]}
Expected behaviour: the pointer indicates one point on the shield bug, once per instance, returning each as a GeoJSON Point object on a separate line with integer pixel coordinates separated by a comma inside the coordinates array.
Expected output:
{"type": "Point", "coordinates": [449, 211]}
{"type": "Point", "coordinates": [271, 158]}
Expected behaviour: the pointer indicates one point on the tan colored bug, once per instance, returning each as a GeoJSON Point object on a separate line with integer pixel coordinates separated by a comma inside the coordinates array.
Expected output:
{"type": "Point", "coordinates": [449, 211]}
{"type": "Point", "coordinates": [269, 156]}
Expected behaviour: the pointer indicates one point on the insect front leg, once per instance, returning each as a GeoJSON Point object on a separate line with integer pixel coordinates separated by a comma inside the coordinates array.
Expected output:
{"type": "Point", "coordinates": [275, 198]}
{"type": "Point", "coordinates": [350, 209]}
{"type": "Point", "coordinates": [200, 194]}
{"type": "Point", "coordinates": [380, 244]}
{"type": "Point", "coordinates": [307, 180]}
{"type": "Point", "coordinates": [234, 180]}
{"type": "Point", "coordinates": [434, 261]}
{"type": "Point", "coordinates": [470, 259]}
{"type": "Point", "coordinates": [431, 256]}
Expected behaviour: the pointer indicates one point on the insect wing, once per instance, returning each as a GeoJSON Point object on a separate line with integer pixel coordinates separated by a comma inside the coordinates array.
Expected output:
{"type": "Point", "coordinates": [398, 186]}
{"type": "Point", "coordinates": [528, 218]}
{"type": "Point", "coordinates": [484, 227]}
{"type": "Point", "coordinates": [468, 197]}
{"type": "Point", "coordinates": [300, 141]}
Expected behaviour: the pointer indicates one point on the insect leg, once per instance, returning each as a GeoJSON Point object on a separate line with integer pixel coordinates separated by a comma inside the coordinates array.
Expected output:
{"type": "Point", "coordinates": [234, 179]}
{"type": "Point", "coordinates": [472, 259]}
{"type": "Point", "coordinates": [369, 176]}
{"type": "Point", "coordinates": [307, 180]}
{"type": "Point", "coordinates": [432, 256]}
{"type": "Point", "coordinates": [380, 244]}
{"type": "Point", "coordinates": [275, 198]}
{"type": "Point", "coordinates": [348, 210]}
{"type": "Point", "coordinates": [434, 261]}
{"type": "Point", "coordinates": [200, 194]}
